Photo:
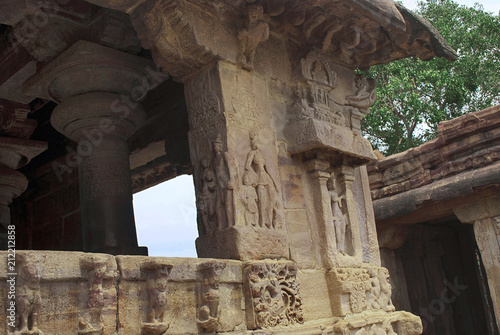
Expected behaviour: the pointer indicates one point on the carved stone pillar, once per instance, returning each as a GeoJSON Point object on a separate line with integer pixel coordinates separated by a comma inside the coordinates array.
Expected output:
{"type": "Point", "coordinates": [14, 154]}
{"type": "Point", "coordinates": [99, 111]}
{"type": "Point", "coordinates": [233, 150]}
{"type": "Point", "coordinates": [318, 172]}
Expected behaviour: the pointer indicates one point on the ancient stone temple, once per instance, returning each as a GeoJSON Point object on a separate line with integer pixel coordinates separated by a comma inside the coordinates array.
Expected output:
{"type": "Point", "coordinates": [437, 212]}
{"type": "Point", "coordinates": [259, 100]}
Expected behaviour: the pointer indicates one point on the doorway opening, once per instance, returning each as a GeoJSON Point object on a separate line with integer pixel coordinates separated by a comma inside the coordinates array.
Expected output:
{"type": "Point", "coordinates": [165, 217]}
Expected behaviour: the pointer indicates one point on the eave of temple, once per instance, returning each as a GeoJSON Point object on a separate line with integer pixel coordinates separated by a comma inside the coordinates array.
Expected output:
{"type": "Point", "coordinates": [431, 181]}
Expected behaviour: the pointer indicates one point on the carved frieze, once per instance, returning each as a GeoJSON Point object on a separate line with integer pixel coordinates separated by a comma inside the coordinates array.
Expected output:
{"type": "Point", "coordinates": [379, 323]}
{"type": "Point", "coordinates": [361, 289]}
{"type": "Point", "coordinates": [209, 311]}
{"type": "Point", "coordinates": [272, 294]}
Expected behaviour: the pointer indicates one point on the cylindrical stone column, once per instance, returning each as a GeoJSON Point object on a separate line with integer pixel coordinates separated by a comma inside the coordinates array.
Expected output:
{"type": "Point", "coordinates": [12, 184]}
{"type": "Point", "coordinates": [103, 168]}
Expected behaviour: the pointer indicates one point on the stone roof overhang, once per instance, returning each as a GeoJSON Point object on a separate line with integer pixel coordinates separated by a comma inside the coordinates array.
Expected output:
{"type": "Point", "coordinates": [184, 35]}
{"type": "Point", "coordinates": [428, 181]}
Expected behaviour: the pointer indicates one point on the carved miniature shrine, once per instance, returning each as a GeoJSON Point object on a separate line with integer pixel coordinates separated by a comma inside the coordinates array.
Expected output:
{"type": "Point", "coordinates": [259, 101]}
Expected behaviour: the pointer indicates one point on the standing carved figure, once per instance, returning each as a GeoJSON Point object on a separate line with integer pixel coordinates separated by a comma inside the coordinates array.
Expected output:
{"type": "Point", "coordinates": [266, 188]}
{"type": "Point", "coordinates": [255, 32]}
{"type": "Point", "coordinates": [226, 173]}
{"type": "Point", "coordinates": [206, 195]}
{"type": "Point", "coordinates": [28, 299]}
{"type": "Point", "coordinates": [249, 198]}
{"type": "Point", "coordinates": [339, 220]}
{"type": "Point", "coordinates": [209, 312]}
{"type": "Point", "coordinates": [91, 322]}
{"type": "Point", "coordinates": [156, 282]}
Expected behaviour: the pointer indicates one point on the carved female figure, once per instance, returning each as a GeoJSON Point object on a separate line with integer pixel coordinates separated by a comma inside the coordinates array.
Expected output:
{"type": "Point", "coordinates": [266, 188]}
{"type": "Point", "coordinates": [339, 220]}
{"type": "Point", "coordinates": [250, 198]}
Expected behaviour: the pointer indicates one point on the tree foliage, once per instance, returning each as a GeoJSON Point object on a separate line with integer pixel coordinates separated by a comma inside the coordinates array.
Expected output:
{"type": "Point", "coordinates": [413, 96]}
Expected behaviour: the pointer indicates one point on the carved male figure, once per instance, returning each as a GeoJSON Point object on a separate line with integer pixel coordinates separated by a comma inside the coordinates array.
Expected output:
{"type": "Point", "coordinates": [91, 321]}
{"type": "Point", "coordinates": [28, 299]}
{"type": "Point", "coordinates": [255, 32]}
{"type": "Point", "coordinates": [206, 195]}
{"type": "Point", "coordinates": [226, 173]}
{"type": "Point", "coordinates": [209, 312]}
{"type": "Point", "coordinates": [339, 220]}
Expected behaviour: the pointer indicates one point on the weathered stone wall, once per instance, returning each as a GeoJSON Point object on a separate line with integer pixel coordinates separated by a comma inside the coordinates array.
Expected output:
{"type": "Point", "coordinates": [79, 293]}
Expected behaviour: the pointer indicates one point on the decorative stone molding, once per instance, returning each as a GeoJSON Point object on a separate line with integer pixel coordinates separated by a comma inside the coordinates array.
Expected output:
{"type": "Point", "coordinates": [272, 294]}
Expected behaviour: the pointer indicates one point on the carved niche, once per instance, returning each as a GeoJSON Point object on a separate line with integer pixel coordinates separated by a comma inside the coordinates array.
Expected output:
{"type": "Point", "coordinates": [272, 294]}
{"type": "Point", "coordinates": [156, 284]}
{"type": "Point", "coordinates": [101, 276]}
{"type": "Point", "coordinates": [14, 120]}
{"type": "Point", "coordinates": [327, 114]}
{"type": "Point", "coordinates": [209, 311]}
{"type": "Point", "coordinates": [28, 299]}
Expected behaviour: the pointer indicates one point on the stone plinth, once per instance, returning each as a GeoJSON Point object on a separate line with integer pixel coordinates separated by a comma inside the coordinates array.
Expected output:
{"type": "Point", "coordinates": [83, 293]}
{"type": "Point", "coordinates": [98, 89]}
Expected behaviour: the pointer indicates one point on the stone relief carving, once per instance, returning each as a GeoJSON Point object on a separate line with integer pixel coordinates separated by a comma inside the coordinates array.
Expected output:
{"type": "Point", "coordinates": [273, 296]}
{"type": "Point", "coordinates": [28, 299]}
{"type": "Point", "coordinates": [227, 177]}
{"type": "Point", "coordinates": [338, 214]}
{"type": "Point", "coordinates": [365, 92]}
{"type": "Point", "coordinates": [381, 290]}
{"type": "Point", "coordinates": [255, 32]}
{"type": "Point", "coordinates": [91, 321]}
{"type": "Point", "coordinates": [269, 204]}
{"type": "Point", "coordinates": [209, 312]}
{"type": "Point", "coordinates": [156, 282]}
{"type": "Point", "coordinates": [206, 196]}
{"type": "Point", "coordinates": [353, 283]}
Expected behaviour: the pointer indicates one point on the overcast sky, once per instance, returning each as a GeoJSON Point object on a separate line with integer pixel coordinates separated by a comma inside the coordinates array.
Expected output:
{"type": "Point", "coordinates": [165, 215]}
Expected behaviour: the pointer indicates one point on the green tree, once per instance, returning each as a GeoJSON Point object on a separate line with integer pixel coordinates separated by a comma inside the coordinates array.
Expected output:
{"type": "Point", "coordinates": [413, 96]}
